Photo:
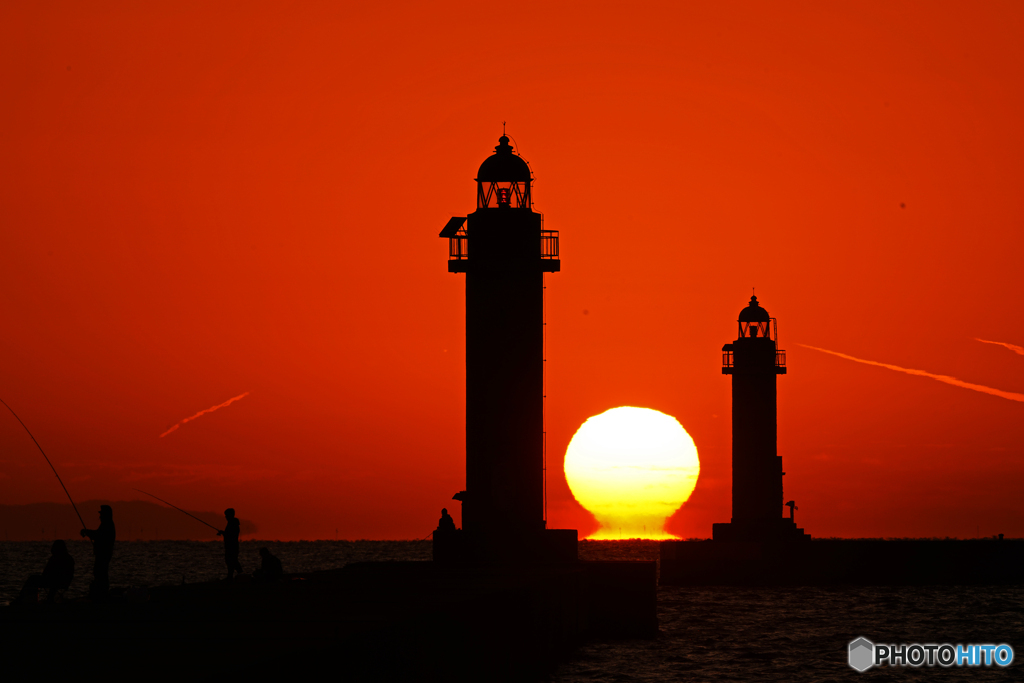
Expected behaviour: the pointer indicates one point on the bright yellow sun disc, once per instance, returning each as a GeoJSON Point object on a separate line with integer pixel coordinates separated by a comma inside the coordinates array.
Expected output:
{"type": "Point", "coordinates": [632, 468]}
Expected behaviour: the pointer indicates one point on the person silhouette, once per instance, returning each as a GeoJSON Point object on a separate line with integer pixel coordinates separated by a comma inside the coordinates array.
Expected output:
{"type": "Point", "coordinates": [57, 576]}
{"type": "Point", "coordinates": [446, 523]}
{"type": "Point", "coordinates": [230, 534]}
{"type": "Point", "coordinates": [270, 567]}
{"type": "Point", "coordinates": [103, 550]}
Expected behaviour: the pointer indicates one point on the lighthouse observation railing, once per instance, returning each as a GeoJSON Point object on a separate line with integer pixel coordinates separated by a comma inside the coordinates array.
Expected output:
{"type": "Point", "coordinates": [549, 244]}
{"type": "Point", "coordinates": [458, 246]}
{"type": "Point", "coordinates": [728, 360]}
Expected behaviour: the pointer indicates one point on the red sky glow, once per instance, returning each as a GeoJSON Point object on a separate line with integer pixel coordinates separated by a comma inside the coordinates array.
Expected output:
{"type": "Point", "coordinates": [199, 199]}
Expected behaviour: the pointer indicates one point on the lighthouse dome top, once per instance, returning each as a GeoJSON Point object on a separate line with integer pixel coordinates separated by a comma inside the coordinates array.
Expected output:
{"type": "Point", "coordinates": [504, 166]}
{"type": "Point", "coordinates": [753, 313]}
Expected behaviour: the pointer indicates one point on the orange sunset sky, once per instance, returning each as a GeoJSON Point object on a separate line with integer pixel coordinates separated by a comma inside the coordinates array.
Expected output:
{"type": "Point", "coordinates": [199, 200]}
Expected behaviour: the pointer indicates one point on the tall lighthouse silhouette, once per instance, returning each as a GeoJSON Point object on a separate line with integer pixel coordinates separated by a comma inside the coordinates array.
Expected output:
{"type": "Point", "coordinates": [755, 361]}
{"type": "Point", "coordinates": [504, 250]}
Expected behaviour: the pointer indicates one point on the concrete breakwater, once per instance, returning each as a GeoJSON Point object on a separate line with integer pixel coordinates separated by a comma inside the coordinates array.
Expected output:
{"type": "Point", "coordinates": [840, 561]}
{"type": "Point", "coordinates": [367, 621]}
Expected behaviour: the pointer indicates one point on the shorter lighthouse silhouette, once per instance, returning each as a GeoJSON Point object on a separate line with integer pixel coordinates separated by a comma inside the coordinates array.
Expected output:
{"type": "Point", "coordinates": [755, 361]}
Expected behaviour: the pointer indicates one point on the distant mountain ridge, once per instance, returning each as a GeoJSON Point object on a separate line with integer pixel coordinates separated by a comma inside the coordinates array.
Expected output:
{"type": "Point", "coordinates": [134, 520]}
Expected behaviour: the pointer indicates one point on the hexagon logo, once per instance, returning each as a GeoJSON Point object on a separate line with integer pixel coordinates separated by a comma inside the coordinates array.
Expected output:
{"type": "Point", "coordinates": [862, 654]}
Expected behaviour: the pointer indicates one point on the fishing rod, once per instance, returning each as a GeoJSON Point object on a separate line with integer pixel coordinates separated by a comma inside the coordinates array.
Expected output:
{"type": "Point", "coordinates": [47, 462]}
{"type": "Point", "coordinates": [179, 509]}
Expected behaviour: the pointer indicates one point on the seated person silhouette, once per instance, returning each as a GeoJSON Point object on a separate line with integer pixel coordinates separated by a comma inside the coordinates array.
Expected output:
{"type": "Point", "coordinates": [446, 524]}
{"type": "Point", "coordinates": [57, 576]}
{"type": "Point", "coordinates": [270, 567]}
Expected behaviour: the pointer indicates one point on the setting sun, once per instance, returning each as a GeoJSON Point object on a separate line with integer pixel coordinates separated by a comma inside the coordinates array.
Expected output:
{"type": "Point", "coordinates": [632, 468]}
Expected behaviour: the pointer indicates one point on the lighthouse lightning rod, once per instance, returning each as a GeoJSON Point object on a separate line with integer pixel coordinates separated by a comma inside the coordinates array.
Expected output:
{"type": "Point", "coordinates": [179, 509]}
{"type": "Point", "coordinates": [47, 462]}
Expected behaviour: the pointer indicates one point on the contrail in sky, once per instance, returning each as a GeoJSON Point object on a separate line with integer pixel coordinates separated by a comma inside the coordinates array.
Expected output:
{"type": "Point", "coordinates": [1009, 395]}
{"type": "Point", "coordinates": [204, 412]}
{"type": "Point", "coordinates": [1019, 350]}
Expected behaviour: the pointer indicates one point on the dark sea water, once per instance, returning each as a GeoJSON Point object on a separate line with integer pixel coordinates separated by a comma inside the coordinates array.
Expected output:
{"type": "Point", "coordinates": [798, 634]}
{"type": "Point", "coordinates": [706, 634]}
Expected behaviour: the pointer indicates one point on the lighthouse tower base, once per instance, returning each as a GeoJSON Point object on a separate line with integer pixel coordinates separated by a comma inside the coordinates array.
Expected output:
{"type": "Point", "coordinates": [766, 531]}
{"type": "Point", "coordinates": [537, 546]}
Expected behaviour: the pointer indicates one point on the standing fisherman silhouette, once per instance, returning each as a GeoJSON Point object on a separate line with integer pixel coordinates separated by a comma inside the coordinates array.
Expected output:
{"type": "Point", "coordinates": [103, 549]}
{"type": "Point", "coordinates": [230, 534]}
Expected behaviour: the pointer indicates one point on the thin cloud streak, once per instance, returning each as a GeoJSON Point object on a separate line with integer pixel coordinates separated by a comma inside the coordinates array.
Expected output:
{"type": "Point", "coordinates": [1019, 350]}
{"type": "Point", "coordinates": [204, 412]}
{"type": "Point", "coordinates": [1009, 395]}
